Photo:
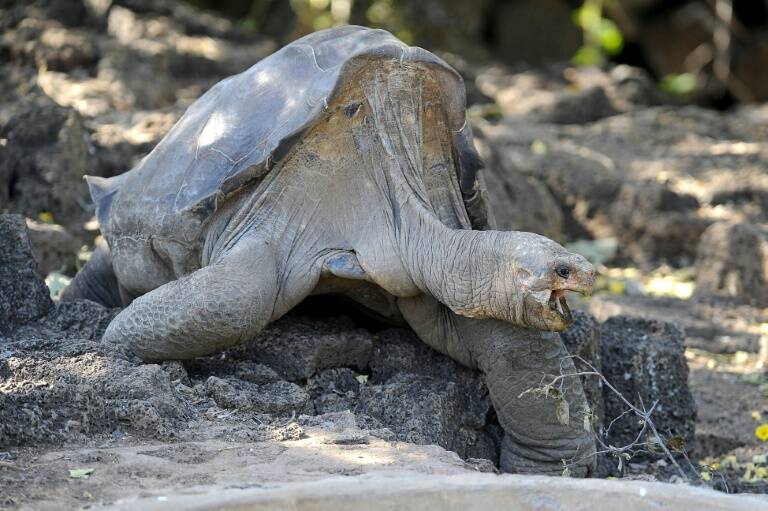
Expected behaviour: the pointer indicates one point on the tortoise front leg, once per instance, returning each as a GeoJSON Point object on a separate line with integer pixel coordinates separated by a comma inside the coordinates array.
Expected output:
{"type": "Point", "coordinates": [211, 309]}
{"type": "Point", "coordinates": [543, 431]}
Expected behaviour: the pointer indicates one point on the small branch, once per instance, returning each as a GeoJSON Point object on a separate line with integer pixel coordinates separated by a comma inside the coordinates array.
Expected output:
{"type": "Point", "coordinates": [641, 411]}
{"type": "Point", "coordinates": [616, 419]}
{"type": "Point", "coordinates": [664, 446]}
{"type": "Point", "coordinates": [6, 464]}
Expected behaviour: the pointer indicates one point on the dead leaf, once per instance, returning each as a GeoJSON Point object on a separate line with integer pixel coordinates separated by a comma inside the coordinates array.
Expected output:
{"type": "Point", "coordinates": [81, 473]}
{"type": "Point", "coordinates": [676, 443]}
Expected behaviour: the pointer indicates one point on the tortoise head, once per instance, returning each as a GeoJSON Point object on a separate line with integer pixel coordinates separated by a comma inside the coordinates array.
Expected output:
{"type": "Point", "coordinates": [524, 279]}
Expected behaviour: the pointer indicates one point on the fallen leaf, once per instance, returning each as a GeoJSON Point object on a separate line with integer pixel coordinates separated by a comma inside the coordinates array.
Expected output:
{"type": "Point", "coordinates": [617, 287]}
{"type": "Point", "coordinates": [81, 473]}
{"type": "Point", "coordinates": [676, 443]}
{"type": "Point", "coordinates": [761, 432]}
{"type": "Point", "coordinates": [741, 358]}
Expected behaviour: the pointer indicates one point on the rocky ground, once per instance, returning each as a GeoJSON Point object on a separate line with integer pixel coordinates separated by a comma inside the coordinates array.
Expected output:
{"type": "Point", "coordinates": [670, 201]}
{"type": "Point", "coordinates": [306, 376]}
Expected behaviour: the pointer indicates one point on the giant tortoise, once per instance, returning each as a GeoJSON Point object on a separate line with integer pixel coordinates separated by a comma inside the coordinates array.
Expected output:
{"type": "Point", "coordinates": [342, 164]}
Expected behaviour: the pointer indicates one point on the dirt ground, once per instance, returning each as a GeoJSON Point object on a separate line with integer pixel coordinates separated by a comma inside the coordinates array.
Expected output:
{"type": "Point", "coordinates": [124, 468]}
{"type": "Point", "coordinates": [180, 428]}
{"type": "Point", "coordinates": [726, 357]}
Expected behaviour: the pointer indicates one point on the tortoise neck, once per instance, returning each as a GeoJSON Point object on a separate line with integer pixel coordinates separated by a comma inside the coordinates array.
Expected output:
{"type": "Point", "coordinates": [452, 264]}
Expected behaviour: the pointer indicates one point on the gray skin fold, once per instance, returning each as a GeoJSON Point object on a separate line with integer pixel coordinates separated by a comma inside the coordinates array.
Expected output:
{"type": "Point", "coordinates": [538, 438]}
{"type": "Point", "coordinates": [357, 184]}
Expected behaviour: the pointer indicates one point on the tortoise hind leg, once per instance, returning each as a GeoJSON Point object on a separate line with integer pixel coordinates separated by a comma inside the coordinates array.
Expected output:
{"type": "Point", "coordinates": [213, 308]}
{"type": "Point", "coordinates": [543, 431]}
{"type": "Point", "coordinates": [96, 281]}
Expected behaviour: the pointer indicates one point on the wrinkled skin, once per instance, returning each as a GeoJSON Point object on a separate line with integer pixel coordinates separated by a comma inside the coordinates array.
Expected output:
{"type": "Point", "coordinates": [365, 204]}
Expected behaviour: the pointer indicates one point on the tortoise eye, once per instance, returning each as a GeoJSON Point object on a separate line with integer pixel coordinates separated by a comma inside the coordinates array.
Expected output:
{"type": "Point", "coordinates": [563, 271]}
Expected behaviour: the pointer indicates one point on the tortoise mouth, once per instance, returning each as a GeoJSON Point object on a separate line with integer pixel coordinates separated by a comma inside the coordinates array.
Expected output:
{"type": "Point", "coordinates": [559, 306]}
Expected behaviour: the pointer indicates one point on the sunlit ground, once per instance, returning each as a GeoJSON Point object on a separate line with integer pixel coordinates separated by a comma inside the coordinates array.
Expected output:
{"type": "Point", "coordinates": [732, 392]}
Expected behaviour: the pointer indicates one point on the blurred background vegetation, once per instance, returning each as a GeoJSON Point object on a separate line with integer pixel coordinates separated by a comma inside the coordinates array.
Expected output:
{"type": "Point", "coordinates": [710, 51]}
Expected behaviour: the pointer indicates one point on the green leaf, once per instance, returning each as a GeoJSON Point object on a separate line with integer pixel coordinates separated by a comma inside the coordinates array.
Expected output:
{"type": "Point", "coordinates": [588, 56]}
{"type": "Point", "coordinates": [322, 21]}
{"type": "Point", "coordinates": [601, 35]}
{"type": "Point", "coordinates": [538, 147]}
{"type": "Point", "coordinates": [678, 84]}
{"type": "Point", "coordinates": [588, 16]}
{"type": "Point", "coordinates": [610, 37]}
{"type": "Point", "coordinates": [81, 473]}
{"type": "Point", "coordinates": [405, 35]}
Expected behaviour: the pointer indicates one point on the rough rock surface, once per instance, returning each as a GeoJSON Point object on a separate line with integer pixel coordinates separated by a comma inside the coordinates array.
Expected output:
{"type": "Point", "coordinates": [732, 260]}
{"type": "Point", "coordinates": [53, 47]}
{"type": "Point", "coordinates": [654, 222]}
{"type": "Point", "coordinates": [645, 361]}
{"type": "Point", "coordinates": [518, 202]}
{"type": "Point", "coordinates": [58, 383]}
{"type": "Point", "coordinates": [278, 397]}
{"type": "Point", "coordinates": [653, 178]}
{"type": "Point", "coordinates": [46, 156]}
{"type": "Point", "coordinates": [334, 390]}
{"type": "Point", "coordinates": [23, 295]}
{"type": "Point", "coordinates": [426, 397]}
{"type": "Point", "coordinates": [712, 323]}
{"type": "Point", "coordinates": [300, 348]}
{"type": "Point", "coordinates": [54, 247]}
{"type": "Point", "coordinates": [564, 95]}
{"type": "Point", "coordinates": [425, 411]}
{"type": "Point", "coordinates": [82, 388]}
{"type": "Point", "coordinates": [391, 381]}
{"type": "Point", "coordinates": [82, 319]}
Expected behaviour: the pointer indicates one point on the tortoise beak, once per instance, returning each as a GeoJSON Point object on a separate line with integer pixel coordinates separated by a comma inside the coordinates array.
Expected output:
{"type": "Point", "coordinates": [580, 280]}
